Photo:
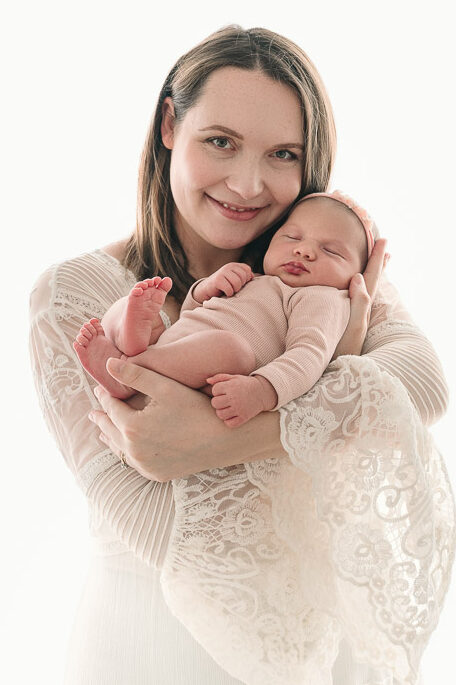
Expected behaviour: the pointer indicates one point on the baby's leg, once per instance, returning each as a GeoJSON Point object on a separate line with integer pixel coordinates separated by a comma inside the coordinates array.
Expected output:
{"type": "Point", "coordinates": [134, 322]}
{"type": "Point", "coordinates": [195, 357]}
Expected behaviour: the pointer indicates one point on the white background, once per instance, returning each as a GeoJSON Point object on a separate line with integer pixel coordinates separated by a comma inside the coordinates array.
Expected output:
{"type": "Point", "coordinates": [80, 84]}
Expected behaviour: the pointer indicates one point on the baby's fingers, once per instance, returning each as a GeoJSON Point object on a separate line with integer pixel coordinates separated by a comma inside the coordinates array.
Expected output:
{"type": "Point", "coordinates": [225, 414]}
{"type": "Point", "coordinates": [234, 422]}
{"type": "Point", "coordinates": [219, 377]}
{"type": "Point", "coordinates": [220, 402]}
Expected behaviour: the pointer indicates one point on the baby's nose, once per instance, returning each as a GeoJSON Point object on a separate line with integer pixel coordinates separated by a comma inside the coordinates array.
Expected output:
{"type": "Point", "coordinates": [305, 249]}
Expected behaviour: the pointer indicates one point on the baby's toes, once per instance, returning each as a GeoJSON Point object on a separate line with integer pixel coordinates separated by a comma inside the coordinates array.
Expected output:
{"type": "Point", "coordinates": [98, 328]}
{"type": "Point", "coordinates": [87, 331]}
{"type": "Point", "coordinates": [83, 339]}
{"type": "Point", "coordinates": [166, 284]}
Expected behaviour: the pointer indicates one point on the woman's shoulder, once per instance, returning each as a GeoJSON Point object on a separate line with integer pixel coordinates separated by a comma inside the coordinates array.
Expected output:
{"type": "Point", "coordinates": [96, 275]}
{"type": "Point", "coordinates": [116, 250]}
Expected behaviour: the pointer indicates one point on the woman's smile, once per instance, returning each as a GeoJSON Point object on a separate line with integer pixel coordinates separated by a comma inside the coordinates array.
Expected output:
{"type": "Point", "coordinates": [234, 212]}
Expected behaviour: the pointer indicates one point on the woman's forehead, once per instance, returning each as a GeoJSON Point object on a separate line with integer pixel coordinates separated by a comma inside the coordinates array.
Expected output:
{"type": "Point", "coordinates": [246, 101]}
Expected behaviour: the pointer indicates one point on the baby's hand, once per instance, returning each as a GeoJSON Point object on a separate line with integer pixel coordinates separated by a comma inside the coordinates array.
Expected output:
{"type": "Point", "coordinates": [236, 399]}
{"type": "Point", "coordinates": [227, 280]}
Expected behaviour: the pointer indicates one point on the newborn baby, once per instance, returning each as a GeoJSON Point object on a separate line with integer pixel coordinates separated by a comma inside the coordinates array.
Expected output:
{"type": "Point", "coordinates": [258, 340]}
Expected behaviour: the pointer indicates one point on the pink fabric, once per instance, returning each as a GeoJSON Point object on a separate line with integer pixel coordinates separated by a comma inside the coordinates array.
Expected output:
{"type": "Point", "coordinates": [292, 331]}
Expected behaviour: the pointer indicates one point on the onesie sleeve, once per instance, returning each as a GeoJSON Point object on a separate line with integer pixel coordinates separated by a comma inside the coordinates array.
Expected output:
{"type": "Point", "coordinates": [190, 303]}
{"type": "Point", "coordinates": [317, 319]}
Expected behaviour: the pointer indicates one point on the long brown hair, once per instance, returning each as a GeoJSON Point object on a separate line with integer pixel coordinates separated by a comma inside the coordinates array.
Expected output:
{"type": "Point", "coordinates": [154, 248]}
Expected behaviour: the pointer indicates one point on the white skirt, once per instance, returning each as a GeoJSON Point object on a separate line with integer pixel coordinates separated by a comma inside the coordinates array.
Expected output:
{"type": "Point", "coordinates": [124, 633]}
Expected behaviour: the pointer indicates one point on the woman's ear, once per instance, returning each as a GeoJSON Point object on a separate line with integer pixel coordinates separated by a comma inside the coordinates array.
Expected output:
{"type": "Point", "coordinates": [167, 123]}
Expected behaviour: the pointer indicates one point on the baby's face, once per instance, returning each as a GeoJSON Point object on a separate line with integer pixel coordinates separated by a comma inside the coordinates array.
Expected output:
{"type": "Point", "coordinates": [321, 243]}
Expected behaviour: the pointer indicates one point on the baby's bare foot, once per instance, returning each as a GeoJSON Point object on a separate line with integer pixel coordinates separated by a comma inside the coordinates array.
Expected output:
{"type": "Point", "coordinates": [94, 349]}
{"type": "Point", "coordinates": [142, 324]}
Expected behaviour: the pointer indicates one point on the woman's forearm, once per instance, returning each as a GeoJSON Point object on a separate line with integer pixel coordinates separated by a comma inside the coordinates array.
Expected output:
{"type": "Point", "coordinates": [219, 446]}
{"type": "Point", "coordinates": [210, 444]}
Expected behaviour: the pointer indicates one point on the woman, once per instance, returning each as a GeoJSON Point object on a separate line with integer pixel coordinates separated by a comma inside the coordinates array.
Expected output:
{"type": "Point", "coordinates": [327, 566]}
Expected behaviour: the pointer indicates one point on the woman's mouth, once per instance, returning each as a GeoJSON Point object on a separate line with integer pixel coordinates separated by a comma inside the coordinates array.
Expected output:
{"type": "Point", "coordinates": [235, 212]}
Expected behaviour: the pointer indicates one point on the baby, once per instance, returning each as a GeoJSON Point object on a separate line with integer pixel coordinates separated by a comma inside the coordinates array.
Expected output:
{"type": "Point", "coordinates": [259, 341]}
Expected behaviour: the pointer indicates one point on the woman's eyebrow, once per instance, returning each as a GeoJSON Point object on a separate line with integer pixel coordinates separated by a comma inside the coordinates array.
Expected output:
{"type": "Point", "coordinates": [230, 132]}
{"type": "Point", "coordinates": [224, 129]}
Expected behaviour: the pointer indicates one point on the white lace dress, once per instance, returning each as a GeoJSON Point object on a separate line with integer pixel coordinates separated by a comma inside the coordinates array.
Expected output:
{"type": "Point", "coordinates": [327, 568]}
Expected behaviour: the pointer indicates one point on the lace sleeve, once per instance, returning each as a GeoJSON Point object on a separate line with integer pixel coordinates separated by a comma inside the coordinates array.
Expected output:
{"type": "Point", "coordinates": [64, 297]}
{"type": "Point", "coordinates": [353, 536]}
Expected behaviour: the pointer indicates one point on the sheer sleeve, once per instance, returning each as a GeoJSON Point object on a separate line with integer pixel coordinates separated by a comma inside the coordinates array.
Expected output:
{"type": "Point", "coordinates": [139, 511]}
{"type": "Point", "coordinates": [397, 346]}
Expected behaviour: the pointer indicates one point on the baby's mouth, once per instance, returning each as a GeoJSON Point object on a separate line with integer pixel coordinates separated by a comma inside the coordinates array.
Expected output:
{"type": "Point", "coordinates": [295, 267]}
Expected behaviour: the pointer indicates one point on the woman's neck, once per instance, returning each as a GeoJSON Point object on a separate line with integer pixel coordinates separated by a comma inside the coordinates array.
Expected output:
{"type": "Point", "coordinates": [203, 258]}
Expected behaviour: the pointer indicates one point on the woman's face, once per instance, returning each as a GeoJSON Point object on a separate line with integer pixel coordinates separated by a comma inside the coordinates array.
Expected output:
{"type": "Point", "coordinates": [236, 161]}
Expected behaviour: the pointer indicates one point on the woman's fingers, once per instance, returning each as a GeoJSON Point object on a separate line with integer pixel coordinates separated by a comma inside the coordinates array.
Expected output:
{"type": "Point", "coordinates": [360, 305]}
{"type": "Point", "coordinates": [360, 301]}
{"type": "Point", "coordinates": [117, 410]}
{"type": "Point", "coordinates": [109, 433]}
{"type": "Point", "coordinates": [375, 267]}
{"type": "Point", "coordinates": [134, 376]}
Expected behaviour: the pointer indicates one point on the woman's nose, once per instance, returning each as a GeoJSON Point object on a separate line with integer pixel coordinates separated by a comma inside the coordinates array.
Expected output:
{"type": "Point", "coordinates": [246, 181]}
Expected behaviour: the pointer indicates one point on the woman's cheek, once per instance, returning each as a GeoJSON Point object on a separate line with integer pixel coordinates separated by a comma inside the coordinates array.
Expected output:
{"type": "Point", "coordinates": [289, 187]}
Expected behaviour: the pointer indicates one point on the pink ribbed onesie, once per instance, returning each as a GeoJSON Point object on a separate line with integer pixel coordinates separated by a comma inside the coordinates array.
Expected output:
{"type": "Point", "coordinates": [292, 331]}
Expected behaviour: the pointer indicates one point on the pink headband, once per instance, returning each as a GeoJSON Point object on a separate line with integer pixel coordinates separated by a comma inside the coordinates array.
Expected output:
{"type": "Point", "coordinates": [361, 213]}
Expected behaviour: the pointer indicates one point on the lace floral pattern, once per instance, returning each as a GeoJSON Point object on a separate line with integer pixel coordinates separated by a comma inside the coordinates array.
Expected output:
{"type": "Point", "coordinates": [356, 532]}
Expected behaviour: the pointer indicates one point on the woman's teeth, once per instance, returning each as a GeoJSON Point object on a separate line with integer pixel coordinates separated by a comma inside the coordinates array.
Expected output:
{"type": "Point", "coordinates": [235, 209]}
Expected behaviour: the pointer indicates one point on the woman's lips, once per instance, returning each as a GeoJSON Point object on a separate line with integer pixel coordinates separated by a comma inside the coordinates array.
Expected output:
{"type": "Point", "coordinates": [244, 215]}
{"type": "Point", "coordinates": [295, 268]}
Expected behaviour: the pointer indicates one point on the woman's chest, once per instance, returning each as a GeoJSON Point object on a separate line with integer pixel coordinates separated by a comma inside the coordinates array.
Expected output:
{"type": "Point", "coordinates": [172, 309]}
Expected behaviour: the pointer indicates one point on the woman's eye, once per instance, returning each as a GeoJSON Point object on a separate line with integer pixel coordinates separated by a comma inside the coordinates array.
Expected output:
{"type": "Point", "coordinates": [285, 154]}
{"type": "Point", "coordinates": [219, 142]}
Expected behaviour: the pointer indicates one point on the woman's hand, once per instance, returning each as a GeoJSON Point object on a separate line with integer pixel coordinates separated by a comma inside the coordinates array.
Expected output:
{"type": "Point", "coordinates": [174, 431]}
{"type": "Point", "coordinates": [362, 293]}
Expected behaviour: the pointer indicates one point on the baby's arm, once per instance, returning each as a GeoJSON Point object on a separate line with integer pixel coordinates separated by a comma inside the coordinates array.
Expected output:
{"type": "Point", "coordinates": [237, 399]}
{"type": "Point", "coordinates": [227, 280]}
{"type": "Point", "coordinates": [317, 319]}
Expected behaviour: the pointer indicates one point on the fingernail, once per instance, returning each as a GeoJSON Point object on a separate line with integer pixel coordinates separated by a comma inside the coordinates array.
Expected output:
{"type": "Point", "coordinates": [358, 278]}
{"type": "Point", "coordinates": [96, 391]}
{"type": "Point", "coordinates": [116, 365]}
{"type": "Point", "coordinates": [91, 416]}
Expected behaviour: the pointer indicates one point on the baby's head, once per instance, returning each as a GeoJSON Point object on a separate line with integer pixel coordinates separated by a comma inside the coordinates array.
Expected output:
{"type": "Point", "coordinates": [326, 239]}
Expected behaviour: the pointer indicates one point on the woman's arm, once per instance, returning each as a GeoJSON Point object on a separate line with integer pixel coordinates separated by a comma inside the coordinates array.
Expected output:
{"type": "Point", "coordinates": [139, 511]}
{"type": "Point", "coordinates": [164, 441]}
{"type": "Point", "coordinates": [192, 446]}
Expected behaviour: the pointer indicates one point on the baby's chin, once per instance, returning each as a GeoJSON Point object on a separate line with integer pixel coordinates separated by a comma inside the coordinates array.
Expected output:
{"type": "Point", "coordinates": [305, 279]}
